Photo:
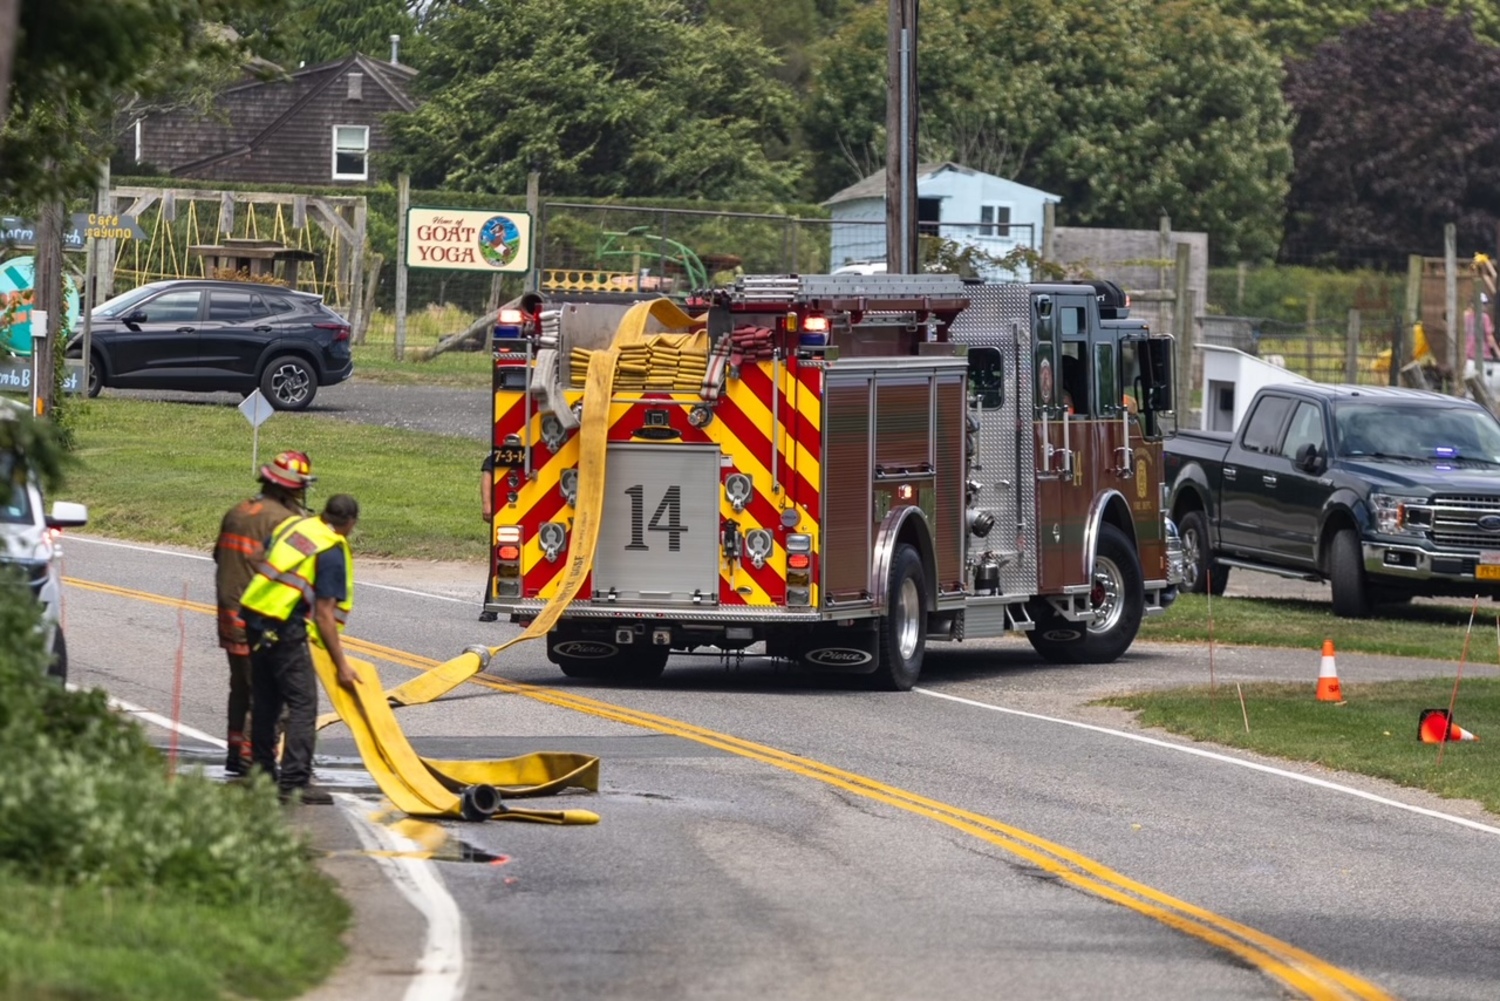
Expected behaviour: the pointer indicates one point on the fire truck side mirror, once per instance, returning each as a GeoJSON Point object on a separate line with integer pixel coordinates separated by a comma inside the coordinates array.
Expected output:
{"type": "Point", "coordinates": [986, 378]}
{"type": "Point", "coordinates": [1157, 371]}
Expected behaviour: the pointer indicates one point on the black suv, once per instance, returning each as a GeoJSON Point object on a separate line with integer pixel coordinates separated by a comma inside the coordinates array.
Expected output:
{"type": "Point", "coordinates": [207, 336]}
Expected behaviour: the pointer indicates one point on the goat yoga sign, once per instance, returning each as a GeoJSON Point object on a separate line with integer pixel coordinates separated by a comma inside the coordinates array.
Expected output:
{"type": "Point", "coordinates": [465, 240]}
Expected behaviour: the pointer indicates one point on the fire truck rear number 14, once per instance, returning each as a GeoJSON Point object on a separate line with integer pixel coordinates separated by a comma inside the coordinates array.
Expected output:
{"type": "Point", "coordinates": [666, 518]}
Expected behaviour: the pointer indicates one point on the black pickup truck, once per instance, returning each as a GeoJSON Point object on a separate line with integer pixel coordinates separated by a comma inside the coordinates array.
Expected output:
{"type": "Point", "coordinates": [1385, 493]}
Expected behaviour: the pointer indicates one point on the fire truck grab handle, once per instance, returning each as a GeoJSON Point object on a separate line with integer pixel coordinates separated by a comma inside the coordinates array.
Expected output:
{"type": "Point", "coordinates": [1126, 456]}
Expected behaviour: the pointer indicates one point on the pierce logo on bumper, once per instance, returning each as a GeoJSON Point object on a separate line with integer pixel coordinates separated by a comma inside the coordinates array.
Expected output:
{"type": "Point", "coordinates": [837, 656]}
{"type": "Point", "coordinates": [586, 649]}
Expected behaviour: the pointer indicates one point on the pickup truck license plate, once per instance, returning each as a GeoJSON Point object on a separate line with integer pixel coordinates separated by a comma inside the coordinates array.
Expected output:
{"type": "Point", "coordinates": [1483, 572]}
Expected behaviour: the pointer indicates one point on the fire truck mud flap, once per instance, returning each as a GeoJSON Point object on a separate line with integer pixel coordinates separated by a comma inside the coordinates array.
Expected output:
{"type": "Point", "coordinates": [833, 649]}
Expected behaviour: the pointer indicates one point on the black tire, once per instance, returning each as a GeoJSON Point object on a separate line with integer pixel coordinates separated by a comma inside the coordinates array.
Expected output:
{"type": "Point", "coordinates": [58, 668]}
{"type": "Point", "coordinates": [95, 375]}
{"type": "Point", "coordinates": [1200, 569]}
{"type": "Point", "coordinates": [637, 664]}
{"type": "Point", "coordinates": [1390, 596]}
{"type": "Point", "coordinates": [1346, 572]}
{"type": "Point", "coordinates": [903, 628]}
{"type": "Point", "coordinates": [1119, 601]}
{"type": "Point", "coordinates": [289, 383]}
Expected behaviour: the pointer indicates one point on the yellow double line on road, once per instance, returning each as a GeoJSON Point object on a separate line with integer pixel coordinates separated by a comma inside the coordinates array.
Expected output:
{"type": "Point", "coordinates": [1297, 969]}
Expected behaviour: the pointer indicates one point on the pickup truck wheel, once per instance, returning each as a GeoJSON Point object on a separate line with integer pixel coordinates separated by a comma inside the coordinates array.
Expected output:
{"type": "Point", "coordinates": [1202, 573]}
{"type": "Point", "coordinates": [903, 629]}
{"type": "Point", "coordinates": [1118, 598]}
{"type": "Point", "coordinates": [58, 669]}
{"type": "Point", "coordinates": [1346, 571]}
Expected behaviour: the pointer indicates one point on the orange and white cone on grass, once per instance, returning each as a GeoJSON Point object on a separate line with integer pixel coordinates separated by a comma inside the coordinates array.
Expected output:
{"type": "Point", "coordinates": [1436, 727]}
{"type": "Point", "coordinates": [1328, 677]}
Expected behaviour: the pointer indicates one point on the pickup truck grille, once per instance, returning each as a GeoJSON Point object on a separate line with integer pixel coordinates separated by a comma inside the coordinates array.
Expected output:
{"type": "Point", "coordinates": [1455, 522]}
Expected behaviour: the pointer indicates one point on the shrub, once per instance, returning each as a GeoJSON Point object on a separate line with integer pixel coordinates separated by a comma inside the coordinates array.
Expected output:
{"type": "Point", "coordinates": [84, 798]}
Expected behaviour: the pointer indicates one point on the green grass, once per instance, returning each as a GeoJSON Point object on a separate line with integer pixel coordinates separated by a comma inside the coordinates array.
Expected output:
{"type": "Point", "coordinates": [1373, 733]}
{"type": "Point", "coordinates": [375, 360]}
{"type": "Point", "coordinates": [1432, 631]}
{"type": "Point", "coordinates": [88, 942]}
{"type": "Point", "coordinates": [167, 472]}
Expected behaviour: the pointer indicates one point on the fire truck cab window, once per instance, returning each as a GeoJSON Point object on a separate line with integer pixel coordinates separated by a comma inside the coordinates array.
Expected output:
{"type": "Point", "coordinates": [1075, 380]}
{"type": "Point", "coordinates": [986, 378]}
{"type": "Point", "coordinates": [1072, 321]}
{"type": "Point", "coordinates": [1044, 360]}
{"type": "Point", "coordinates": [1107, 379]}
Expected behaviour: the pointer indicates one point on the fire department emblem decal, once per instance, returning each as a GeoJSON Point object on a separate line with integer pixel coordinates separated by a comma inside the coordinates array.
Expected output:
{"type": "Point", "coordinates": [1142, 474]}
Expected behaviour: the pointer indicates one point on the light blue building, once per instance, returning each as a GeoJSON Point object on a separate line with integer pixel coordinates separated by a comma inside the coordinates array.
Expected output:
{"type": "Point", "coordinates": [966, 206]}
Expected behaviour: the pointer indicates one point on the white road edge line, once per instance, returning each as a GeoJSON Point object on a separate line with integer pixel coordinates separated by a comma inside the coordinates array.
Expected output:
{"type": "Point", "coordinates": [142, 713]}
{"type": "Point", "coordinates": [1223, 759]}
{"type": "Point", "coordinates": [440, 973]}
{"type": "Point", "coordinates": [209, 559]}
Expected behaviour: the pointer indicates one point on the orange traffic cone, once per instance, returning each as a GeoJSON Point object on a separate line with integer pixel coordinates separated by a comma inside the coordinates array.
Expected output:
{"type": "Point", "coordinates": [1434, 726]}
{"type": "Point", "coordinates": [1328, 677]}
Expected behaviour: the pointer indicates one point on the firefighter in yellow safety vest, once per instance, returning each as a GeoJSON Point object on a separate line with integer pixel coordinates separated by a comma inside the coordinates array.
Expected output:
{"type": "Point", "coordinates": [308, 573]}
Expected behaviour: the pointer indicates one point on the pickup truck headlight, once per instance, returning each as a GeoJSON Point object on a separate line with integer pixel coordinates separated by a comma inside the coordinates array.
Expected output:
{"type": "Point", "coordinates": [1400, 515]}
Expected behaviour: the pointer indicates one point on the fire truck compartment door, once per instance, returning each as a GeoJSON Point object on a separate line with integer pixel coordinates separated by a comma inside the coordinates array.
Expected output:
{"type": "Point", "coordinates": [659, 533]}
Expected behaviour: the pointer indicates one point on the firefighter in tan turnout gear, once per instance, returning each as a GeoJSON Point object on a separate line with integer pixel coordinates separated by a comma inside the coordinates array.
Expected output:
{"type": "Point", "coordinates": [239, 550]}
{"type": "Point", "coordinates": [307, 573]}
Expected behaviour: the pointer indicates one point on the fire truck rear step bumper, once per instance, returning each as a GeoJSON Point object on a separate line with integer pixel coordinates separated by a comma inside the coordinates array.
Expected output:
{"type": "Point", "coordinates": [675, 613]}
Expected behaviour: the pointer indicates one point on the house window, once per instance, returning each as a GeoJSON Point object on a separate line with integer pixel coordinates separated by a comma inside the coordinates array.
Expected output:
{"type": "Point", "coordinates": [994, 220]}
{"type": "Point", "coordinates": [929, 214]}
{"type": "Point", "coordinates": [351, 152]}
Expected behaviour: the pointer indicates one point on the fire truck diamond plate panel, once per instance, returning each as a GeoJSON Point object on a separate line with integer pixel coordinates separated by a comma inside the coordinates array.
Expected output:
{"type": "Point", "coordinates": [659, 538]}
{"type": "Point", "coordinates": [1005, 456]}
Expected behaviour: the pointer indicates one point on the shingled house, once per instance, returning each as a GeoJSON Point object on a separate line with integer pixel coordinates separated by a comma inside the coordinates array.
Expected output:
{"type": "Point", "coordinates": [318, 126]}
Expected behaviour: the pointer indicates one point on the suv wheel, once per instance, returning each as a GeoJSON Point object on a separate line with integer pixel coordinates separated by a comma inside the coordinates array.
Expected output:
{"type": "Point", "coordinates": [95, 375]}
{"type": "Point", "coordinates": [289, 383]}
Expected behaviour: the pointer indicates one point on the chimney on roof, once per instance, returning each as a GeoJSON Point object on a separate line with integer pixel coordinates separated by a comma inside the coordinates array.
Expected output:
{"type": "Point", "coordinates": [395, 49]}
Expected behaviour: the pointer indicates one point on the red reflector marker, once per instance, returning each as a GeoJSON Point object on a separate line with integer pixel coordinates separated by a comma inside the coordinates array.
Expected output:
{"type": "Point", "coordinates": [509, 552]}
{"type": "Point", "coordinates": [799, 561]}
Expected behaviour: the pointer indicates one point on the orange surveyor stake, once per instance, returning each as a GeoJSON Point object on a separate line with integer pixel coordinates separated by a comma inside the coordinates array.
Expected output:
{"type": "Point", "coordinates": [1435, 727]}
{"type": "Point", "coordinates": [1328, 677]}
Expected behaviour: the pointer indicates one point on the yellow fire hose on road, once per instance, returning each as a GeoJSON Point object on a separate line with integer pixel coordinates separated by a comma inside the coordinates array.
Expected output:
{"type": "Point", "coordinates": [425, 787]}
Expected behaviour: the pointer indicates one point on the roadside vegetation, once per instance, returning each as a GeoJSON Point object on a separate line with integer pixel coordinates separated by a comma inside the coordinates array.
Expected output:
{"type": "Point", "coordinates": [167, 472]}
{"type": "Point", "coordinates": [123, 882]}
{"type": "Point", "coordinates": [1373, 732]}
{"type": "Point", "coordinates": [1433, 631]}
{"type": "Point", "coordinates": [375, 359]}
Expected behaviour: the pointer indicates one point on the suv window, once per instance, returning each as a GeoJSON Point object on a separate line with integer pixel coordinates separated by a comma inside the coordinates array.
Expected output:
{"type": "Point", "coordinates": [1263, 432]}
{"type": "Point", "coordinates": [276, 304]}
{"type": "Point", "coordinates": [1306, 429]}
{"type": "Point", "coordinates": [173, 307]}
{"type": "Point", "coordinates": [235, 307]}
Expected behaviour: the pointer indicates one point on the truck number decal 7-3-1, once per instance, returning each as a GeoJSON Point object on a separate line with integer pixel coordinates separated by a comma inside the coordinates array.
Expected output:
{"type": "Point", "coordinates": [670, 508]}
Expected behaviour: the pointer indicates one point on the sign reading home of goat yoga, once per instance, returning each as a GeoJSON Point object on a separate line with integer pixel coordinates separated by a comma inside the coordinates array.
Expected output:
{"type": "Point", "coordinates": [465, 240]}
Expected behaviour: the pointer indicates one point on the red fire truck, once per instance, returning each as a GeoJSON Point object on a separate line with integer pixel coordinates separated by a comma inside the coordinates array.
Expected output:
{"type": "Point", "coordinates": [843, 468]}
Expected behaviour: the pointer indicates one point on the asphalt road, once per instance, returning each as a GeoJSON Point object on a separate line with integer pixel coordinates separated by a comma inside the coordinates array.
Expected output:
{"type": "Point", "coordinates": [438, 409]}
{"type": "Point", "coordinates": [733, 861]}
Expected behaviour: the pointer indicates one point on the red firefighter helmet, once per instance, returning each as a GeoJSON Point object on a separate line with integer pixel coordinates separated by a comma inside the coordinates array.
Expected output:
{"type": "Point", "coordinates": [292, 470]}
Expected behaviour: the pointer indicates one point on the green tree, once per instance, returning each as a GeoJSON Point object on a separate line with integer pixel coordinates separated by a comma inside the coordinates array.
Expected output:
{"type": "Point", "coordinates": [77, 62]}
{"type": "Point", "coordinates": [604, 97]}
{"type": "Point", "coordinates": [1126, 109]}
{"type": "Point", "coordinates": [309, 32]}
{"type": "Point", "coordinates": [1294, 27]}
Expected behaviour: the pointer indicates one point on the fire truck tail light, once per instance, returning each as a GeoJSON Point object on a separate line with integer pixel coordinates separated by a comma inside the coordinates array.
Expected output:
{"type": "Point", "coordinates": [796, 542]}
{"type": "Point", "coordinates": [798, 561]}
{"type": "Point", "coordinates": [511, 317]}
{"type": "Point", "coordinates": [509, 552]}
{"type": "Point", "coordinates": [815, 325]}
{"type": "Point", "coordinates": [507, 533]}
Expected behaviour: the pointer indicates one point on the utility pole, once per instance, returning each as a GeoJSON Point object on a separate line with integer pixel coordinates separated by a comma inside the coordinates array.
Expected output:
{"type": "Point", "coordinates": [48, 288]}
{"type": "Point", "coordinates": [901, 139]}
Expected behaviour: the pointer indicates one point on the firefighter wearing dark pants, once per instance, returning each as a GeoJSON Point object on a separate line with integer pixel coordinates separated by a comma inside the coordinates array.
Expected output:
{"type": "Point", "coordinates": [308, 572]}
{"type": "Point", "coordinates": [239, 550]}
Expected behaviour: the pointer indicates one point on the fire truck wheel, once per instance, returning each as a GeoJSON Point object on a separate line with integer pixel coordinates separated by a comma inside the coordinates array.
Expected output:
{"type": "Point", "coordinates": [1199, 569]}
{"type": "Point", "coordinates": [637, 664]}
{"type": "Point", "coordinates": [1119, 602]}
{"type": "Point", "coordinates": [903, 629]}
